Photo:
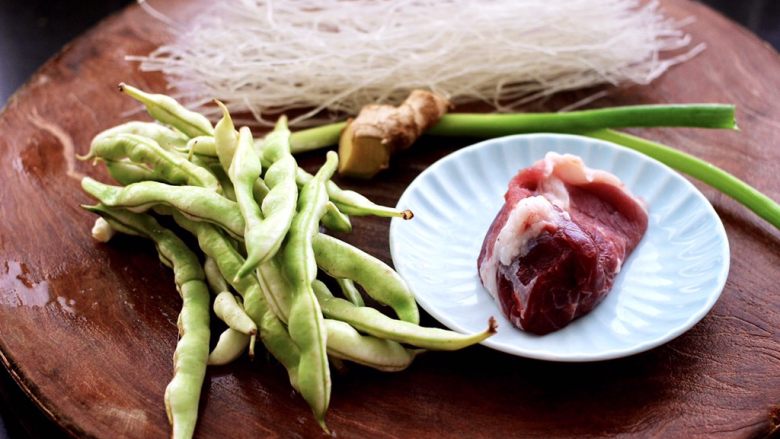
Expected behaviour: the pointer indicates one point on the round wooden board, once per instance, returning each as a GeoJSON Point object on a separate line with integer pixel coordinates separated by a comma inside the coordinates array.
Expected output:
{"type": "Point", "coordinates": [88, 329]}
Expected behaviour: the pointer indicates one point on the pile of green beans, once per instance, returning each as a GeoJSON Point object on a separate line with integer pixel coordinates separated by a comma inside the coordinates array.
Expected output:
{"type": "Point", "coordinates": [257, 218]}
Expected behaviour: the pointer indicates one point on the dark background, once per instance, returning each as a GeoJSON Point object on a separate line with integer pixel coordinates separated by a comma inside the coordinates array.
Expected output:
{"type": "Point", "coordinates": [31, 31]}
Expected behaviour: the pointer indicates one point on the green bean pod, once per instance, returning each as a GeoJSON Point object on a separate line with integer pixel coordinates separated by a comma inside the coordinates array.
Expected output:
{"type": "Point", "coordinates": [225, 144]}
{"type": "Point", "coordinates": [190, 359]}
{"type": "Point", "coordinates": [167, 138]}
{"type": "Point", "coordinates": [127, 172]}
{"type": "Point", "coordinates": [335, 220]}
{"type": "Point", "coordinates": [273, 333]}
{"type": "Point", "coordinates": [166, 110]}
{"type": "Point", "coordinates": [306, 322]}
{"type": "Point", "coordinates": [102, 230]}
{"type": "Point", "coordinates": [227, 308]}
{"type": "Point", "coordinates": [276, 339]}
{"type": "Point", "coordinates": [215, 168]}
{"type": "Point", "coordinates": [346, 343]}
{"type": "Point", "coordinates": [192, 350]}
{"type": "Point", "coordinates": [230, 345]}
{"type": "Point", "coordinates": [351, 202]}
{"type": "Point", "coordinates": [197, 145]}
{"type": "Point", "coordinates": [203, 146]}
{"type": "Point", "coordinates": [382, 283]}
{"type": "Point", "coordinates": [195, 202]}
{"type": "Point", "coordinates": [349, 290]}
{"type": "Point", "coordinates": [213, 277]}
{"type": "Point", "coordinates": [244, 171]}
{"type": "Point", "coordinates": [279, 204]}
{"type": "Point", "coordinates": [275, 288]}
{"type": "Point", "coordinates": [373, 322]}
{"type": "Point", "coordinates": [348, 202]}
{"type": "Point", "coordinates": [225, 138]}
{"type": "Point", "coordinates": [141, 150]}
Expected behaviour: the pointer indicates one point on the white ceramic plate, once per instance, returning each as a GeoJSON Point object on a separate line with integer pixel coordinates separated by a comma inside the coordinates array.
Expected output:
{"type": "Point", "coordinates": [669, 283]}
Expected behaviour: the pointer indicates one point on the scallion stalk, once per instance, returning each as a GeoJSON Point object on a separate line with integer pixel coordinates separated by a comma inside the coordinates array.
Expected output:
{"type": "Point", "coordinates": [632, 116]}
{"type": "Point", "coordinates": [495, 125]}
{"type": "Point", "coordinates": [316, 138]}
{"type": "Point", "coordinates": [699, 169]}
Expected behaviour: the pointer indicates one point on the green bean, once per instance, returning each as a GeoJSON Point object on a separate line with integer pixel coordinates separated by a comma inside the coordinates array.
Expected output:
{"type": "Point", "coordinates": [352, 203]}
{"type": "Point", "coordinates": [203, 145]}
{"type": "Point", "coordinates": [278, 206]}
{"type": "Point", "coordinates": [346, 343]}
{"type": "Point", "coordinates": [166, 110]}
{"type": "Point", "coordinates": [212, 165]}
{"type": "Point", "coordinates": [228, 191]}
{"type": "Point", "coordinates": [104, 211]}
{"type": "Point", "coordinates": [335, 220]}
{"type": "Point", "coordinates": [197, 145]}
{"type": "Point", "coordinates": [273, 334]}
{"type": "Point", "coordinates": [373, 322]}
{"type": "Point", "coordinates": [225, 144]}
{"type": "Point", "coordinates": [244, 170]}
{"type": "Point", "coordinates": [167, 138]}
{"type": "Point", "coordinates": [229, 311]}
{"type": "Point", "coordinates": [126, 172]}
{"type": "Point", "coordinates": [190, 358]}
{"type": "Point", "coordinates": [275, 288]}
{"type": "Point", "coordinates": [195, 202]}
{"type": "Point", "coordinates": [348, 202]}
{"type": "Point", "coordinates": [183, 392]}
{"type": "Point", "coordinates": [306, 322]}
{"type": "Point", "coordinates": [225, 138]}
{"type": "Point", "coordinates": [213, 277]}
{"type": "Point", "coordinates": [230, 345]}
{"type": "Point", "coordinates": [349, 290]}
{"type": "Point", "coordinates": [204, 161]}
{"type": "Point", "coordinates": [227, 308]}
{"type": "Point", "coordinates": [382, 283]}
{"type": "Point", "coordinates": [141, 150]}
{"type": "Point", "coordinates": [277, 340]}
{"type": "Point", "coordinates": [102, 230]}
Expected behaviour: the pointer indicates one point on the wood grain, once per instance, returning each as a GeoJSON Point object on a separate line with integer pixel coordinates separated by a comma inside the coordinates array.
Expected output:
{"type": "Point", "coordinates": [88, 330]}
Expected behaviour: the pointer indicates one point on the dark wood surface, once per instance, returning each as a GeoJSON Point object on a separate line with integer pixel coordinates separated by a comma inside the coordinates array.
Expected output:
{"type": "Point", "coordinates": [88, 330]}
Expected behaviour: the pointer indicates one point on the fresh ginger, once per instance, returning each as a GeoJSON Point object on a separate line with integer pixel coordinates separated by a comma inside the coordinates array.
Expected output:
{"type": "Point", "coordinates": [379, 131]}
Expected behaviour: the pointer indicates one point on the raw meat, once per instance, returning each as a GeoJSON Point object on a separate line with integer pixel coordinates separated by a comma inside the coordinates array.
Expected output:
{"type": "Point", "coordinates": [554, 249]}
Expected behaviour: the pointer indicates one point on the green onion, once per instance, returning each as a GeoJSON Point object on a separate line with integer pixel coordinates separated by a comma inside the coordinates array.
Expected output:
{"type": "Point", "coordinates": [708, 173]}
{"type": "Point", "coordinates": [634, 116]}
{"type": "Point", "coordinates": [495, 125]}
{"type": "Point", "coordinates": [316, 138]}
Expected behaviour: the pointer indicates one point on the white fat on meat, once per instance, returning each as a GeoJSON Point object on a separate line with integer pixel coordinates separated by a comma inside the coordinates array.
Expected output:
{"type": "Point", "coordinates": [566, 169]}
{"type": "Point", "coordinates": [528, 219]}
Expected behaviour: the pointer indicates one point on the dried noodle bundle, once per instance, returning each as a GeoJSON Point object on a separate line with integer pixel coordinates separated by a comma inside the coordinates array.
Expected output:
{"type": "Point", "coordinates": [333, 57]}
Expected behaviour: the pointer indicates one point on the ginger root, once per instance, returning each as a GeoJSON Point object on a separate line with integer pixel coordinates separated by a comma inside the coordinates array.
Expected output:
{"type": "Point", "coordinates": [379, 131]}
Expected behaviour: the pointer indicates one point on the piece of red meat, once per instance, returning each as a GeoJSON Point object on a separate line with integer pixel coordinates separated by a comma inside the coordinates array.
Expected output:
{"type": "Point", "coordinates": [553, 251]}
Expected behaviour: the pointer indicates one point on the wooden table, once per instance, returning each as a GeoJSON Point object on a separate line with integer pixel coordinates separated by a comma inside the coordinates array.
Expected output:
{"type": "Point", "coordinates": [88, 330]}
